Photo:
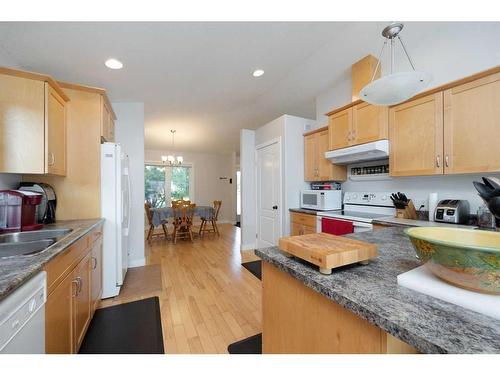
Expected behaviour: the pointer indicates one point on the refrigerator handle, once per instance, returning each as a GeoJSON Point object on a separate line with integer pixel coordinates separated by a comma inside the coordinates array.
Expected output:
{"type": "Point", "coordinates": [129, 205]}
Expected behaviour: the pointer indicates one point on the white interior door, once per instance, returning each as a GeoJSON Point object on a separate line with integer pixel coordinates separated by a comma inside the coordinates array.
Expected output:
{"type": "Point", "coordinates": [268, 195]}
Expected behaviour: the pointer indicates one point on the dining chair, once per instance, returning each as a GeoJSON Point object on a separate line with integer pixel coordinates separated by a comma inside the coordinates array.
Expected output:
{"type": "Point", "coordinates": [151, 231]}
{"type": "Point", "coordinates": [212, 220]}
{"type": "Point", "coordinates": [183, 220]}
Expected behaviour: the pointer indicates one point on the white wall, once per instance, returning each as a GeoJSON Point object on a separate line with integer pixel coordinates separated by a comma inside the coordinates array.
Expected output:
{"type": "Point", "coordinates": [460, 50]}
{"type": "Point", "coordinates": [248, 195]}
{"type": "Point", "coordinates": [130, 133]}
{"type": "Point", "coordinates": [207, 184]}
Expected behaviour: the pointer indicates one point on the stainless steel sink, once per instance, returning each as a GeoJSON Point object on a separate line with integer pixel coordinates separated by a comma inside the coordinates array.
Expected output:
{"type": "Point", "coordinates": [23, 237]}
{"type": "Point", "coordinates": [9, 249]}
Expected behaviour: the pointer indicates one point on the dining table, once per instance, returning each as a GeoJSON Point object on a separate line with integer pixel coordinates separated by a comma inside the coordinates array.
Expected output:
{"type": "Point", "coordinates": [162, 214]}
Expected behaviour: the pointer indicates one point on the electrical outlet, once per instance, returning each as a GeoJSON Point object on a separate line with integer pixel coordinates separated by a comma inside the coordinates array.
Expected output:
{"type": "Point", "coordinates": [419, 202]}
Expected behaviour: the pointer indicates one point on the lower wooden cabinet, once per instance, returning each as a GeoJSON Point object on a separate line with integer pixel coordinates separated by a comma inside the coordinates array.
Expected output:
{"type": "Point", "coordinates": [302, 224]}
{"type": "Point", "coordinates": [74, 295]}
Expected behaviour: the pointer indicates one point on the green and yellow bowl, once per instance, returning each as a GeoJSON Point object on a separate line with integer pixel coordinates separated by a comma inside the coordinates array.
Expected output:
{"type": "Point", "coordinates": [464, 257]}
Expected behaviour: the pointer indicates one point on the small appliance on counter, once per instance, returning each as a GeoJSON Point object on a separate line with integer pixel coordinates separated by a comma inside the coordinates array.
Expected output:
{"type": "Point", "coordinates": [321, 200]}
{"type": "Point", "coordinates": [46, 210]}
{"type": "Point", "coordinates": [455, 211]}
{"type": "Point", "coordinates": [18, 210]}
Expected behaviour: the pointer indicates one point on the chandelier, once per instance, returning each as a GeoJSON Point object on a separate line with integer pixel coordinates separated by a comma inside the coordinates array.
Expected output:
{"type": "Point", "coordinates": [394, 88]}
{"type": "Point", "coordinates": [172, 159]}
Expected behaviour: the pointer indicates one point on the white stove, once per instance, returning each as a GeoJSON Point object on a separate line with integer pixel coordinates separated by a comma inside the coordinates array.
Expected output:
{"type": "Point", "coordinates": [360, 209]}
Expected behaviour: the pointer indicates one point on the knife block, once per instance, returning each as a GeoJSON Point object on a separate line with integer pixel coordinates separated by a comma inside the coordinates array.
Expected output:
{"type": "Point", "coordinates": [407, 213]}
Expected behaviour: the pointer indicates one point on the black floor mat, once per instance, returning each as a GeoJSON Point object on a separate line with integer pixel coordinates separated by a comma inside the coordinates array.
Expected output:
{"type": "Point", "coordinates": [250, 345]}
{"type": "Point", "coordinates": [130, 328]}
{"type": "Point", "coordinates": [255, 268]}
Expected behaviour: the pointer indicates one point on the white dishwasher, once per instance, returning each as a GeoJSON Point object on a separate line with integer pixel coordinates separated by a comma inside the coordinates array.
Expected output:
{"type": "Point", "coordinates": [22, 318]}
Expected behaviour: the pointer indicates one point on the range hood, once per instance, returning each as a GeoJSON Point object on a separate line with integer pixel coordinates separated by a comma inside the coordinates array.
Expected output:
{"type": "Point", "coordinates": [367, 151]}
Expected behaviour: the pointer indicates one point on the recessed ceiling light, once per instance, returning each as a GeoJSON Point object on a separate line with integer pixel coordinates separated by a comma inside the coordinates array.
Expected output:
{"type": "Point", "coordinates": [258, 73]}
{"type": "Point", "coordinates": [113, 64]}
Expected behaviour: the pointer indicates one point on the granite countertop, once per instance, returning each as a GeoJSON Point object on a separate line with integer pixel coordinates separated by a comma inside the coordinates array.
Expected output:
{"type": "Point", "coordinates": [14, 271]}
{"type": "Point", "coordinates": [395, 221]}
{"type": "Point", "coordinates": [371, 292]}
{"type": "Point", "coordinates": [308, 211]}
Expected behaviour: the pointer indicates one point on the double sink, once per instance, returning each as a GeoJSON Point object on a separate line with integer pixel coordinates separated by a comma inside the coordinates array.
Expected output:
{"type": "Point", "coordinates": [27, 243]}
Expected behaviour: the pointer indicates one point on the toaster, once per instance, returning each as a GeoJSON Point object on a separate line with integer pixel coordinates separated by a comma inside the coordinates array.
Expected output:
{"type": "Point", "coordinates": [454, 211]}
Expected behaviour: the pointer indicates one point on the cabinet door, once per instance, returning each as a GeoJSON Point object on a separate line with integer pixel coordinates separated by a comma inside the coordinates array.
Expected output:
{"type": "Point", "coordinates": [81, 301]}
{"type": "Point", "coordinates": [58, 318]}
{"type": "Point", "coordinates": [472, 126]}
{"type": "Point", "coordinates": [55, 123]}
{"type": "Point", "coordinates": [370, 123]}
{"type": "Point", "coordinates": [105, 118]}
{"type": "Point", "coordinates": [96, 275]}
{"type": "Point", "coordinates": [326, 170]}
{"type": "Point", "coordinates": [310, 157]}
{"type": "Point", "coordinates": [296, 229]}
{"type": "Point", "coordinates": [111, 128]}
{"type": "Point", "coordinates": [22, 125]}
{"type": "Point", "coordinates": [340, 128]}
{"type": "Point", "coordinates": [416, 137]}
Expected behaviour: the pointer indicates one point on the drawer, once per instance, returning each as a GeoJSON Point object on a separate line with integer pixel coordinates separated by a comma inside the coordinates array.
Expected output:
{"type": "Point", "coordinates": [305, 219]}
{"type": "Point", "coordinates": [63, 264]}
{"type": "Point", "coordinates": [96, 234]}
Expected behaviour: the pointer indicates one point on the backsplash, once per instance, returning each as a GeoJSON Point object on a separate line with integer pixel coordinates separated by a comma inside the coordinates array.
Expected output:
{"type": "Point", "coordinates": [418, 188]}
{"type": "Point", "coordinates": [9, 181]}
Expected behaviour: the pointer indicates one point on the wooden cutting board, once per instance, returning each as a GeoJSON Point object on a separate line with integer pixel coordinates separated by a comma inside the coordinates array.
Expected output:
{"type": "Point", "coordinates": [327, 250]}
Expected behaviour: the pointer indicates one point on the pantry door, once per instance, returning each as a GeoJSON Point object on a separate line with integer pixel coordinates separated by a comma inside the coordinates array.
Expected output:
{"type": "Point", "coordinates": [268, 158]}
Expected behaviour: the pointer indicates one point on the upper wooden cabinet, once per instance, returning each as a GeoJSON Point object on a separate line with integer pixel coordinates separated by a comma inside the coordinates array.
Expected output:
{"type": "Point", "coordinates": [449, 131]}
{"type": "Point", "coordinates": [316, 166]}
{"type": "Point", "coordinates": [358, 124]}
{"type": "Point", "coordinates": [107, 122]}
{"type": "Point", "coordinates": [416, 137]}
{"type": "Point", "coordinates": [32, 124]}
{"type": "Point", "coordinates": [472, 126]}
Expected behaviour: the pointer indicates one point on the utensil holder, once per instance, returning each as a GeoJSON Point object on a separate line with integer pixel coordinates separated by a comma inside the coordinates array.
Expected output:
{"type": "Point", "coordinates": [409, 212]}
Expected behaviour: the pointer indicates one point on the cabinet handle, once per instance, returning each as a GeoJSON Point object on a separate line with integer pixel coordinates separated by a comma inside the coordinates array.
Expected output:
{"type": "Point", "coordinates": [75, 282]}
{"type": "Point", "coordinates": [446, 161]}
{"type": "Point", "coordinates": [94, 263]}
{"type": "Point", "coordinates": [438, 161]}
{"type": "Point", "coordinates": [353, 136]}
{"type": "Point", "coordinates": [79, 280]}
{"type": "Point", "coordinates": [349, 136]}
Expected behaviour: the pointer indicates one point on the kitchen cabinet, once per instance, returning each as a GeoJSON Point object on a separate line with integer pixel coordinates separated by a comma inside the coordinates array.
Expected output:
{"type": "Point", "coordinates": [81, 300]}
{"type": "Point", "coordinates": [416, 137]}
{"type": "Point", "coordinates": [74, 281]}
{"type": "Point", "coordinates": [96, 276]}
{"type": "Point", "coordinates": [316, 166]}
{"type": "Point", "coordinates": [361, 123]}
{"type": "Point", "coordinates": [449, 131]}
{"type": "Point", "coordinates": [302, 224]}
{"type": "Point", "coordinates": [32, 124]}
{"type": "Point", "coordinates": [472, 126]}
{"type": "Point", "coordinates": [107, 122]}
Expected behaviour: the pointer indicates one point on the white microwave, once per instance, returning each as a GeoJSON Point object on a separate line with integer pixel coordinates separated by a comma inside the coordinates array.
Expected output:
{"type": "Point", "coordinates": [321, 200]}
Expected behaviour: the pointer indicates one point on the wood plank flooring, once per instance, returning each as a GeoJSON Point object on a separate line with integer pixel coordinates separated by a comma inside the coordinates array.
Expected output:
{"type": "Point", "coordinates": [208, 299]}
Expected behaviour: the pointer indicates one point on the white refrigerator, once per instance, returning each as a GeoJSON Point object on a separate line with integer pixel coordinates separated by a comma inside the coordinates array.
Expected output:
{"type": "Point", "coordinates": [115, 209]}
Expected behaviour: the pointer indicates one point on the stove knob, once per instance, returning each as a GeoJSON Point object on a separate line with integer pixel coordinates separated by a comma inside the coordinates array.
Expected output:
{"type": "Point", "coordinates": [347, 198]}
{"type": "Point", "coordinates": [355, 196]}
{"type": "Point", "coordinates": [384, 197]}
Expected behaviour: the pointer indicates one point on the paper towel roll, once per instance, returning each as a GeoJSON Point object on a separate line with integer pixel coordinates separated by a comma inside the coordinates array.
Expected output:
{"type": "Point", "coordinates": [432, 204]}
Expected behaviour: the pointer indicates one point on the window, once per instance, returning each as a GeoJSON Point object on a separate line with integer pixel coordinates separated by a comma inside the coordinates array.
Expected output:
{"type": "Point", "coordinates": [164, 184]}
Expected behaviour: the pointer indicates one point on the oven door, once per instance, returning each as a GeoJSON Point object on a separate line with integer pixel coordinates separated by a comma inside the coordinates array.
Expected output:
{"type": "Point", "coordinates": [360, 226]}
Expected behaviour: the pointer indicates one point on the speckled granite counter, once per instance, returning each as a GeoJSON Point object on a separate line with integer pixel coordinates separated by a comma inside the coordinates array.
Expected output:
{"type": "Point", "coordinates": [371, 292]}
{"type": "Point", "coordinates": [14, 271]}
{"type": "Point", "coordinates": [309, 212]}
{"type": "Point", "coordinates": [394, 221]}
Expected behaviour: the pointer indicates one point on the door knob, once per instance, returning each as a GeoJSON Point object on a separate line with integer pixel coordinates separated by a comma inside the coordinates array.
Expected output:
{"type": "Point", "coordinates": [275, 207]}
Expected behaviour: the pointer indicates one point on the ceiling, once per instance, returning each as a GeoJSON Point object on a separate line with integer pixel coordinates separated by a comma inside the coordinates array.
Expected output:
{"type": "Point", "coordinates": [197, 77]}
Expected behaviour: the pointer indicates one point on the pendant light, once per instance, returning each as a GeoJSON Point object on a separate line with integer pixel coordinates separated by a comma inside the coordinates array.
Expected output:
{"type": "Point", "coordinates": [395, 87]}
{"type": "Point", "coordinates": [172, 159]}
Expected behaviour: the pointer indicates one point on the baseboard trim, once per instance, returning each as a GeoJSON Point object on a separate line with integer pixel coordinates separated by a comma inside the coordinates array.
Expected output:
{"type": "Point", "coordinates": [136, 263]}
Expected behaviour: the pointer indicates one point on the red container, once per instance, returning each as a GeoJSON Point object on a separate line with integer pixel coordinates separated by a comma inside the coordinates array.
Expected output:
{"type": "Point", "coordinates": [17, 210]}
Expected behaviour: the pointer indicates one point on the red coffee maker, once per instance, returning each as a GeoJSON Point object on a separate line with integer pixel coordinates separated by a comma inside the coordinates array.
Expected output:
{"type": "Point", "coordinates": [17, 210]}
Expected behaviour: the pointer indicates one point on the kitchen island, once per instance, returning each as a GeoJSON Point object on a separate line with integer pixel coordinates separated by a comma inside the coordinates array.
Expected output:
{"type": "Point", "coordinates": [361, 309]}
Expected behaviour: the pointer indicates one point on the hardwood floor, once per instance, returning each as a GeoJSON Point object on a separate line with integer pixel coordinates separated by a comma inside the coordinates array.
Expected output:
{"type": "Point", "coordinates": [208, 299]}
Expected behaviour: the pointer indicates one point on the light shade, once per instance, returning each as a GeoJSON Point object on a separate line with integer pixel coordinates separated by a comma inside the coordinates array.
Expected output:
{"type": "Point", "coordinates": [180, 159]}
{"type": "Point", "coordinates": [395, 88]}
{"type": "Point", "coordinates": [164, 158]}
{"type": "Point", "coordinates": [170, 158]}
